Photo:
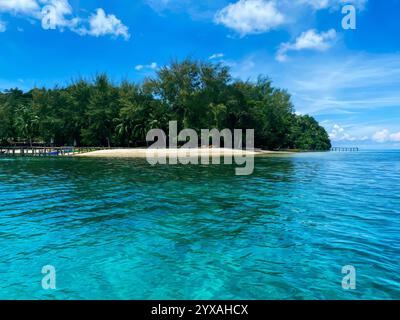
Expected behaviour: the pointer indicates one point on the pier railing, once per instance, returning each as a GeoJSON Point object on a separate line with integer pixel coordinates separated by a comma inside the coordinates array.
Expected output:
{"type": "Point", "coordinates": [45, 151]}
{"type": "Point", "coordinates": [345, 149]}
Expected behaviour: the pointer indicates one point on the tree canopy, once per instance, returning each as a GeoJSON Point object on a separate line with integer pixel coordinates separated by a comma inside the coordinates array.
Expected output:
{"type": "Point", "coordinates": [198, 95]}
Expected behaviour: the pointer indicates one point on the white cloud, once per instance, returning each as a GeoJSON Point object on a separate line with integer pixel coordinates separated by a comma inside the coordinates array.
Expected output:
{"type": "Point", "coordinates": [395, 137]}
{"type": "Point", "coordinates": [216, 56]}
{"type": "Point", "coordinates": [25, 7]}
{"type": "Point", "coordinates": [57, 14]}
{"type": "Point", "coordinates": [52, 13]}
{"type": "Point", "coordinates": [250, 16]}
{"type": "Point", "coordinates": [101, 24]}
{"type": "Point", "coordinates": [317, 4]}
{"type": "Point", "coordinates": [310, 40]}
{"type": "Point", "coordinates": [151, 66]}
{"type": "Point", "coordinates": [3, 27]}
{"type": "Point", "coordinates": [381, 136]}
{"type": "Point", "coordinates": [338, 133]}
{"type": "Point", "coordinates": [386, 136]}
{"type": "Point", "coordinates": [259, 16]}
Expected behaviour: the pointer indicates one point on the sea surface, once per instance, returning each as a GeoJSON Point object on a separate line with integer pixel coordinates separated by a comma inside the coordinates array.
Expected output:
{"type": "Point", "coordinates": [122, 229]}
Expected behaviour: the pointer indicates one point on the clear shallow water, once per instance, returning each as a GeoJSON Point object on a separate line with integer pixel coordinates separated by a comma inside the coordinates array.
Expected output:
{"type": "Point", "coordinates": [121, 229]}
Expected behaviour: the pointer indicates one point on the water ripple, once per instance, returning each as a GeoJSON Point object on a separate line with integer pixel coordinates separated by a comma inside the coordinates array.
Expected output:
{"type": "Point", "coordinates": [122, 229]}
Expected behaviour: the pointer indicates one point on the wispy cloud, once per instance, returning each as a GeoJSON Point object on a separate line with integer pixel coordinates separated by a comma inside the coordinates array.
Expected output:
{"type": "Point", "coordinates": [3, 26]}
{"type": "Point", "coordinates": [197, 10]}
{"type": "Point", "coordinates": [358, 92]}
{"type": "Point", "coordinates": [146, 67]}
{"type": "Point", "coordinates": [160, 4]}
{"type": "Point", "coordinates": [216, 56]}
{"type": "Point", "coordinates": [333, 4]}
{"type": "Point", "coordinates": [348, 83]}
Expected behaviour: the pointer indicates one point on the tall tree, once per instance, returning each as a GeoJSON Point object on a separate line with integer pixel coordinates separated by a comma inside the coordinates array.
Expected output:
{"type": "Point", "coordinates": [101, 111]}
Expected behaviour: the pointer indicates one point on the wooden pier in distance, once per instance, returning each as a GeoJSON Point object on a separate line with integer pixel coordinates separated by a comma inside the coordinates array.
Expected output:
{"type": "Point", "coordinates": [44, 151]}
{"type": "Point", "coordinates": [345, 149]}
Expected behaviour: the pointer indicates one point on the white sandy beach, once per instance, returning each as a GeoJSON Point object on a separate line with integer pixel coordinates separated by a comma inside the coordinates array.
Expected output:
{"type": "Point", "coordinates": [143, 153]}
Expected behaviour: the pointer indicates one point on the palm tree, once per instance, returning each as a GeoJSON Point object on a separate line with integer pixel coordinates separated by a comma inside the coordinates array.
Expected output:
{"type": "Point", "coordinates": [27, 123]}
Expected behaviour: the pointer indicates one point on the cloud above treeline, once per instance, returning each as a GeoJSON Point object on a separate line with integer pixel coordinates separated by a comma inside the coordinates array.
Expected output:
{"type": "Point", "coordinates": [248, 17]}
{"type": "Point", "coordinates": [216, 56]}
{"type": "Point", "coordinates": [144, 67]}
{"type": "Point", "coordinates": [59, 14]}
{"type": "Point", "coordinates": [308, 40]}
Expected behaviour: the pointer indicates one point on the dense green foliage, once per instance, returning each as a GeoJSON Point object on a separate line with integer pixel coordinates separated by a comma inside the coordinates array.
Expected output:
{"type": "Point", "coordinates": [198, 95]}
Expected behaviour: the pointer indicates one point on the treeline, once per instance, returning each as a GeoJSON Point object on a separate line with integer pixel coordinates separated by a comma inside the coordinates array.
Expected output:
{"type": "Point", "coordinates": [198, 95]}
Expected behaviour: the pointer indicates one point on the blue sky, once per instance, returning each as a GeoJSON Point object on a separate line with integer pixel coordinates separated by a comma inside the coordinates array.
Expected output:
{"type": "Point", "coordinates": [348, 79]}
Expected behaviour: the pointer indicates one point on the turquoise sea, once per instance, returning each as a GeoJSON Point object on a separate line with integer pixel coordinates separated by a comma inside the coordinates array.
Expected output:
{"type": "Point", "coordinates": [122, 229]}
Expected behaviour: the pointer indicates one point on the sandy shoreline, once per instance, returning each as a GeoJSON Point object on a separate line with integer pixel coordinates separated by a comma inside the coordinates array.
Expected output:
{"type": "Point", "coordinates": [142, 153]}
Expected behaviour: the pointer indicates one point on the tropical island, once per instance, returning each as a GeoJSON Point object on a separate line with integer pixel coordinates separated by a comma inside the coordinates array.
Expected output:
{"type": "Point", "coordinates": [196, 94]}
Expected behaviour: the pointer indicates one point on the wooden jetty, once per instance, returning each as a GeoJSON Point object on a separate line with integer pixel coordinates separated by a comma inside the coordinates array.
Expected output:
{"type": "Point", "coordinates": [345, 149]}
{"type": "Point", "coordinates": [44, 151]}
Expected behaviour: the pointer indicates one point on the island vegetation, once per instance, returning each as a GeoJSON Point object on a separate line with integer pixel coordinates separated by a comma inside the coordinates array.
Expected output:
{"type": "Point", "coordinates": [196, 94]}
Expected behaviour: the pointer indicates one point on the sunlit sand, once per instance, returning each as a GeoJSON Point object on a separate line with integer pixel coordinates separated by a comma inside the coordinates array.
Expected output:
{"type": "Point", "coordinates": [143, 153]}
